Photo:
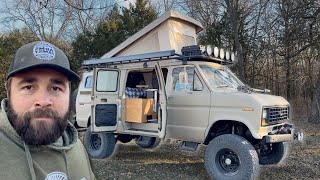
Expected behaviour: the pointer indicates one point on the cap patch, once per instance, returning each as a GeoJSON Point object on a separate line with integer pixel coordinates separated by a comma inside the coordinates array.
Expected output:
{"type": "Point", "coordinates": [44, 51]}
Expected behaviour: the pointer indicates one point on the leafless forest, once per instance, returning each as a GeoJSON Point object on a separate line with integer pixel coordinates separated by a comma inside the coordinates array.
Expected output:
{"type": "Point", "coordinates": [277, 44]}
{"type": "Point", "coordinates": [277, 41]}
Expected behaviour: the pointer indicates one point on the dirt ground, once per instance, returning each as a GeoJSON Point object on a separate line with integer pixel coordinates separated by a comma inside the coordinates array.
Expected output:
{"type": "Point", "coordinates": [168, 162]}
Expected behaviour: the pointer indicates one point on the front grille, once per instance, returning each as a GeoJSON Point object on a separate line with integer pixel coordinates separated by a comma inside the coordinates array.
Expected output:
{"type": "Point", "coordinates": [276, 114]}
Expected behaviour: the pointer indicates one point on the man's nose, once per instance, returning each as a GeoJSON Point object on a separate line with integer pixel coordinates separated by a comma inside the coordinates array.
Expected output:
{"type": "Point", "coordinates": [43, 99]}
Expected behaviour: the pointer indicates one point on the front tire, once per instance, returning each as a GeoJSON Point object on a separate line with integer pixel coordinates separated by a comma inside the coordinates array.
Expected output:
{"type": "Point", "coordinates": [99, 145]}
{"type": "Point", "coordinates": [231, 157]}
{"type": "Point", "coordinates": [274, 153]}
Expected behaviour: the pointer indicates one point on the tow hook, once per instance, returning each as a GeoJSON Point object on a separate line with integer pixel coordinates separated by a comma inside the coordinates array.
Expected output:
{"type": "Point", "coordinates": [298, 136]}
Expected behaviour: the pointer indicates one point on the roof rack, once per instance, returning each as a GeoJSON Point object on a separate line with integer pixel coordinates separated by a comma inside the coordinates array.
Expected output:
{"type": "Point", "coordinates": [154, 56]}
{"type": "Point", "coordinates": [161, 55]}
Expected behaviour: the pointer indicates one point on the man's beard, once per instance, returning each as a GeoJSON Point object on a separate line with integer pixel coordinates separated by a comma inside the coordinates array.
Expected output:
{"type": "Point", "coordinates": [41, 132]}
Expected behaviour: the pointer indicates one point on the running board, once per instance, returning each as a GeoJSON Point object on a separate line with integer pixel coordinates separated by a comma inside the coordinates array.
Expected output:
{"type": "Point", "coordinates": [143, 130]}
{"type": "Point", "coordinates": [81, 129]}
{"type": "Point", "coordinates": [189, 146]}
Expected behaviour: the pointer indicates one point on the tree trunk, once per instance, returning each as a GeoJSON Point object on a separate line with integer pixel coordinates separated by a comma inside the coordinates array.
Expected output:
{"type": "Point", "coordinates": [232, 14]}
{"type": "Point", "coordinates": [314, 115]}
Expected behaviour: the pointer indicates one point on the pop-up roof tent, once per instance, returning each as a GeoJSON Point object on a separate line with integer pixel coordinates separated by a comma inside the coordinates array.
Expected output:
{"type": "Point", "coordinates": [172, 30]}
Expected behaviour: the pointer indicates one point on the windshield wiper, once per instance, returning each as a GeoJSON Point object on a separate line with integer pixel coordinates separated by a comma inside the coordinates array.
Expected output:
{"type": "Point", "coordinates": [224, 85]}
{"type": "Point", "coordinates": [261, 90]}
{"type": "Point", "coordinates": [245, 88]}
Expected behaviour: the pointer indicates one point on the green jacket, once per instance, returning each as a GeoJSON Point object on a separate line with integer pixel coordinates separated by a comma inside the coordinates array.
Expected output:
{"type": "Point", "coordinates": [66, 157]}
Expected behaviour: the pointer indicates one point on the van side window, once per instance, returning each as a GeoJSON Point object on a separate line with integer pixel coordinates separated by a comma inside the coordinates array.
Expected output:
{"type": "Point", "coordinates": [186, 79]}
{"type": "Point", "coordinates": [194, 83]}
{"type": "Point", "coordinates": [176, 85]}
{"type": "Point", "coordinates": [165, 74]}
{"type": "Point", "coordinates": [107, 81]}
{"type": "Point", "coordinates": [88, 82]}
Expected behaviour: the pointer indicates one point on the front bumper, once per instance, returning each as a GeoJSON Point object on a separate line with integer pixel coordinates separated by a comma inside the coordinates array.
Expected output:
{"type": "Point", "coordinates": [283, 133]}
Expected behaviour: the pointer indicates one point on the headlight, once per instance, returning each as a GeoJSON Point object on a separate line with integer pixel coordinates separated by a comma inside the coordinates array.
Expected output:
{"type": "Point", "coordinates": [264, 119]}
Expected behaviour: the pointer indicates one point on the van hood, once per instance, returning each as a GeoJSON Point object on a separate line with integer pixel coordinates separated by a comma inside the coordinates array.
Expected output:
{"type": "Point", "coordinates": [236, 98]}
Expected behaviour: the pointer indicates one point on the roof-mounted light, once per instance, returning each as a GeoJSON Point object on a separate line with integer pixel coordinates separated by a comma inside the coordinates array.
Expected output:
{"type": "Point", "coordinates": [209, 50]}
{"type": "Point", "coordinates": [208, 53]}
{"type": "Point", "coordinates": [216, 52]}
{"type": "Point", "coordinates": [233, 57]}
{"type": "Point", "coordinates": [221, 54]}
{"type": "Point", "coordinates": [227, 55]}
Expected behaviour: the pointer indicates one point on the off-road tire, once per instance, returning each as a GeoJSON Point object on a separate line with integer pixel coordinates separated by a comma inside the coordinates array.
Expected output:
{"type": "Point", "coordinates": [151, 142]}
{"type": "Point", "coordinates": [278, 154]}
{"type": "Point", "coordinates": [99, 145]}
{"type": "Point", "coordinates": [231, 157]}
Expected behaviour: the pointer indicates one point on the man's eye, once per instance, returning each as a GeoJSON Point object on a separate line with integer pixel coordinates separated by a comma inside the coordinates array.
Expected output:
{"type": "Point", "coordinates": [27, 87]}
{"type": "Point", "coordinates": [56, 89]}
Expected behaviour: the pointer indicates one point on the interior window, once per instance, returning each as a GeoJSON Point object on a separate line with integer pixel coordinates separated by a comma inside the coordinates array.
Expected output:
{"type": "Point", "coordinates": [88, 82]}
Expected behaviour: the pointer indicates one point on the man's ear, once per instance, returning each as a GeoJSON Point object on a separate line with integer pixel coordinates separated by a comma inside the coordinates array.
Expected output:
{"type": "Point", "coordinates": [7, 87]}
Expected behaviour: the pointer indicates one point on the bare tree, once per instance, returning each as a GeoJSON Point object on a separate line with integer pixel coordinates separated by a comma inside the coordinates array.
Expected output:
{"type": "Point", "coordinates": [54, 20]}
{"type": "Point", "coordinates": [87, 14]}
{"type": "Point", "coordinates": [46, 19]}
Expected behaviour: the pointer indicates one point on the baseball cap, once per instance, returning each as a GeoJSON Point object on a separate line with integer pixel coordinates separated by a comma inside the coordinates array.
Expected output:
{"type": "Point", "coordinates": [41, 54]}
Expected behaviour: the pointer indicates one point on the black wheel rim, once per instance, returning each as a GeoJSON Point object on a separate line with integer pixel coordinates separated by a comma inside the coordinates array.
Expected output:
{"type": "Point", "coordinates": [265, 149]}
{"type": "Point", "coordinates": [227, 161]}
{"type": "Point", "coordinates": [95, 141]}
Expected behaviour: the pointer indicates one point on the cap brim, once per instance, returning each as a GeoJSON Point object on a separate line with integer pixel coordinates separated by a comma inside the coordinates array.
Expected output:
{"type": "Point", "coordinates": [72, 76]}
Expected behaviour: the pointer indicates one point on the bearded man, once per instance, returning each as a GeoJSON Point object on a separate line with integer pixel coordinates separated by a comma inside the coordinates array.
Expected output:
{"type": "Point", "coordinates": [36, 139]}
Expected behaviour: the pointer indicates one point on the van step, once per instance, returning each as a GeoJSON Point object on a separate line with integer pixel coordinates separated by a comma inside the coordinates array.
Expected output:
{"type": "Point", "coordinates": [144, 130]}
{"type": "Point", "coordinates": [81, 129]}
{"type": "Point", "coordinates": [189, 146]}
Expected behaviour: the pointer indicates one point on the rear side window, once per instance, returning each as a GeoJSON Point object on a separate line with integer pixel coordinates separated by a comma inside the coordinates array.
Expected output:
{"type": "Point", "coordinates": [88, 83]}
{"type": "Point", "coordinates": [107, 80]}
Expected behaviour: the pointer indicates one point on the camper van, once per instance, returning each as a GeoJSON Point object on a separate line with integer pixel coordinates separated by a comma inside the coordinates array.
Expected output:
{"type": "Point", "coordinates": [191, 96]}
{"type": "Point", "coordinates": [158, 84]}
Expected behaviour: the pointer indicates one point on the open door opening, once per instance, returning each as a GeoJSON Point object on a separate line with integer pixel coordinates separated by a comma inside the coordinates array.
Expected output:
{"type": "Point", "coordinates": [142, 102]}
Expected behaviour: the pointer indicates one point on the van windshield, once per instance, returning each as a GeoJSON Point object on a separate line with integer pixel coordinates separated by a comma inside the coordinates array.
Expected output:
{"type": "Point", "coordinates": [221, 77]}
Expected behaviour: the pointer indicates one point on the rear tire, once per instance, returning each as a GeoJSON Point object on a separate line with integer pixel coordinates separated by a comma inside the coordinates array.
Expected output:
{"type": "Point", "coordinates": [276, 153]}
{"type": "Point", "coordinates": [231, 157]}
{"type": "Point", "coordinates": [146, 142]}
{"type": "Point", "coordinates": [99, 145]}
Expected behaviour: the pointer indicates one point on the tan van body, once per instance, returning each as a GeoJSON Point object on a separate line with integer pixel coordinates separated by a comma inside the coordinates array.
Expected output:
{"type": "Point", "coordinates": [184, 92]}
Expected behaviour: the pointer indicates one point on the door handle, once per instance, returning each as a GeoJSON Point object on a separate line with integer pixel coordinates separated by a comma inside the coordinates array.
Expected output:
{"type": "Point", "coordinates": [104, 100]}
{"type": "Point", "coordinates": [170, 98]}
